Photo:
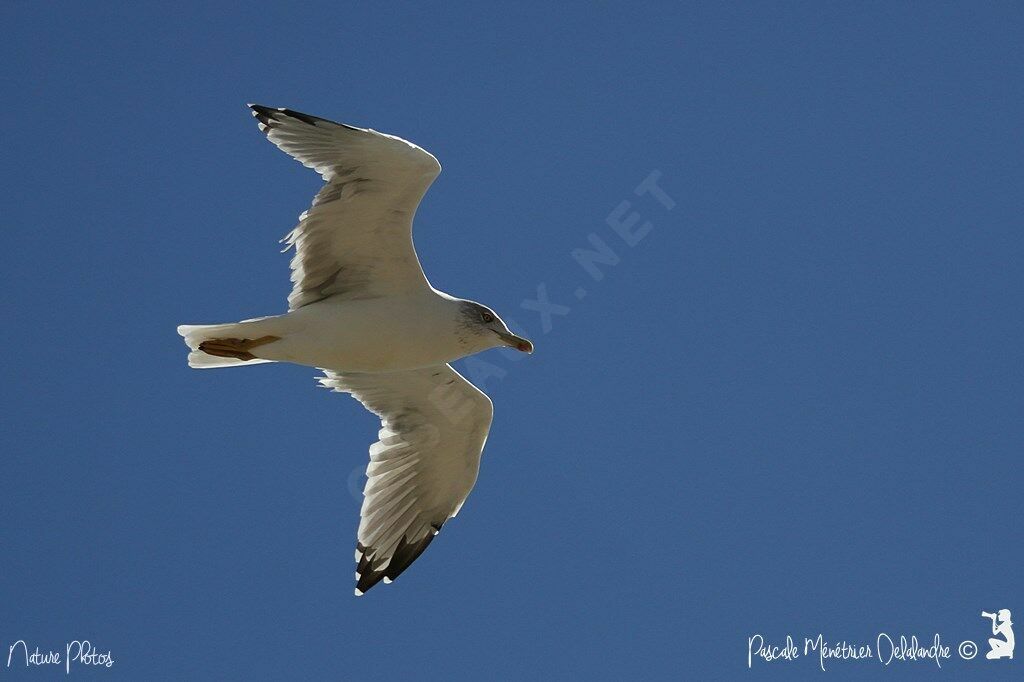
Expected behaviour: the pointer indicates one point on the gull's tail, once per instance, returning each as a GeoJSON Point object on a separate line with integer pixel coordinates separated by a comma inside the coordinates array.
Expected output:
{"type": "Point", "coordinates": [210, 344]}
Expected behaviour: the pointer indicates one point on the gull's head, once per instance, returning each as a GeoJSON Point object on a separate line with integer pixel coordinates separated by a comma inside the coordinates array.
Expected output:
{"type": "Point", "coordinates": [486, 330]}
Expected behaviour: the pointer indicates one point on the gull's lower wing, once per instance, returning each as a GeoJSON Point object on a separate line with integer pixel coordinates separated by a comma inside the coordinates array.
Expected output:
{"type": "Point", "coordinates": [434, 425]}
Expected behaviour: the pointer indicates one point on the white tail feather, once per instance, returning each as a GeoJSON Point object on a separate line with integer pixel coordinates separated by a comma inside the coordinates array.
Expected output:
{"type": "Point", "coordinates": [195, 334]}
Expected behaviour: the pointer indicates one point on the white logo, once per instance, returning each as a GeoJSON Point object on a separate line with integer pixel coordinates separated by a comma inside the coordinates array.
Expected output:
{"type": "Point", "coordinates": [1001, 625]}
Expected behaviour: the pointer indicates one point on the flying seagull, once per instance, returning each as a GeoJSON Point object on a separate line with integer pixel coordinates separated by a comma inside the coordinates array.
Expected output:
{"type": "Point", "coordinates": [363, 312]}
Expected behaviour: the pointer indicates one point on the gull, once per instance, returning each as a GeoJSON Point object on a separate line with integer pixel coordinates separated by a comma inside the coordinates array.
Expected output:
{"type": "Point", "coordinates": [362, 311]}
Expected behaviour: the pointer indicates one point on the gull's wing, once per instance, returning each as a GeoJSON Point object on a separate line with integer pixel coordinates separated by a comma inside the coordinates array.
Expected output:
{"type": "Point", "coordinates": [356, 239]}
{"type": "Point", "coordinates": [434, 425]}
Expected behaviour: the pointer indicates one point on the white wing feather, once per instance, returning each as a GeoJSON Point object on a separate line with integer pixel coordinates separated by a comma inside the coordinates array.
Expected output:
{"type": "Point", "coordinates": [355, 241]}
{"type": "Point", "coordinates": [434, 425]}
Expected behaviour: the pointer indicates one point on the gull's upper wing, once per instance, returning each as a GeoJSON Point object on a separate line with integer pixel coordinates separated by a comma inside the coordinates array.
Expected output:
{"type": "Point", "coordinates": [356, 239]}
{"type": "Point", "coordinates": [434, 425]}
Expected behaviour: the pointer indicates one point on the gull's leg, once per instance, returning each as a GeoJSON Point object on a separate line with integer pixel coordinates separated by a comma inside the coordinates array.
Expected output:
{"type": "Point", "coordinates": [235, 348]}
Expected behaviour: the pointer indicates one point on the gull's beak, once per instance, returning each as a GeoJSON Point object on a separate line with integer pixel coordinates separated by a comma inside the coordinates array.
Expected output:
{"type": "Point", "coordinates": [517, 342]}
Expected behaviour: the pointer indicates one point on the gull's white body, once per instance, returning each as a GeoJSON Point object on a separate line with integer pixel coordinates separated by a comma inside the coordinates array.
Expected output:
{"type": "Point", "coordinates": [403, 331]}
{"type": "Point", "coordinates": [362, 310]}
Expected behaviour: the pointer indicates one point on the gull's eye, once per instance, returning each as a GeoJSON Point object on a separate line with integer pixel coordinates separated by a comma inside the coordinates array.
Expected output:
{"type": "Point", "coordinates": [487, 318]}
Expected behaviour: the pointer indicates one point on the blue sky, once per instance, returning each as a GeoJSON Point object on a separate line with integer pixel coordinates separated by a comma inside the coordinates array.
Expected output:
{"type": "Point", "coordinates": [793, 407]}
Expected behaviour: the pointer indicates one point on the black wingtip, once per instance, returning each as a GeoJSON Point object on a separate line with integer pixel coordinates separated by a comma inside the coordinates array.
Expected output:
{"type": "Point", "coordinates": [405, 554]}
{"type": "Point", "coordinates": [278, 112]}
{"type": "Point", "coordinates": [305, 118]}
{"type": "Point", "coordinates": [271, 115]}
{"type": "Point", "coordinates": [265, 115]}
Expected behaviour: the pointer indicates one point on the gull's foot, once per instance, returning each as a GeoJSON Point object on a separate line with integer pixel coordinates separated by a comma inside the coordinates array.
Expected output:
{"type": "Point", "coordinates": [235, 348]}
